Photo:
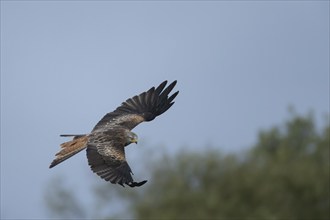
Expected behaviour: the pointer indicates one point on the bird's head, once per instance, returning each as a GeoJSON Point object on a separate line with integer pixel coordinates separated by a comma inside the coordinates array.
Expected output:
{"type": "Point", "coordinates": [131, 137]}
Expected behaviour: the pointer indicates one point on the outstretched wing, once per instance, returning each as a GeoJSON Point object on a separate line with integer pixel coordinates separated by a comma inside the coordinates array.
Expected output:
{"type": "Point", "coordinates": [106, 158]}
{"type": "Point", "coordinates": [143, 107]}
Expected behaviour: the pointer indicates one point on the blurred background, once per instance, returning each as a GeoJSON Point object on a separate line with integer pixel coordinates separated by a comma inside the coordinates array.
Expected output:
{"type": "Point", "coordinates": [248, 136]}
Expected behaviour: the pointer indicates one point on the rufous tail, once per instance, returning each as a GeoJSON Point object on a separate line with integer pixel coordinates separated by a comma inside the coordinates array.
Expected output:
{"type": "Point", "coordinates": [70, 148]}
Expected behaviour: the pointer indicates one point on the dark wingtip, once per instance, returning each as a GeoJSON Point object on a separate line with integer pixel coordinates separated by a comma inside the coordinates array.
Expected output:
{"type": "Point", "coordinates": [160, 87]}
{"type": "Point", "coordinates": [172, 97]}
{"type": "Point", "coordinates": [172, 84]}
{"type": "Point", "coordinates": [137, 184]}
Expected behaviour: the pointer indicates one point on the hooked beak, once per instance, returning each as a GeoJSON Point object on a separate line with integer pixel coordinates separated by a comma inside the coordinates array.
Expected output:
{"type": "Point", "coordinates": [135, 141]}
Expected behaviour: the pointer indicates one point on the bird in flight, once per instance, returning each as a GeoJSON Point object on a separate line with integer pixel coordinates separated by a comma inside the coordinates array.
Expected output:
{"type": "Point", "coordinates": [105, 145]}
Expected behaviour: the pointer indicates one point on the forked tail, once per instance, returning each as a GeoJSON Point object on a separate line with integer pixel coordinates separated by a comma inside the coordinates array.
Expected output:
{"type": "Point", "coordinates": [70, 148]}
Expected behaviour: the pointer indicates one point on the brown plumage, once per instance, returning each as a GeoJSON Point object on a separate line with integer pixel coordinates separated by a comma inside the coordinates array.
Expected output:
{"type": "Point", "coordinates": [105, 144]}
{"type": "Point", "coordinates": [70, 148]}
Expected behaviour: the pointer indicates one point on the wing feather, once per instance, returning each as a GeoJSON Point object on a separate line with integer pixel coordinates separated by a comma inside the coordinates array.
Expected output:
{"type": "Point", "coordinates": [148, 96]}
{"type": "Point", "coordinates": [139, 108]}
{"type": "Point", "coordinates": [106, 157]}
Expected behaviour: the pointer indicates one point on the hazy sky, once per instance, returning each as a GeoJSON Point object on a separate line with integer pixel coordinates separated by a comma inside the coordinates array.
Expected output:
{"type": "Point", "coordinates": [239, 65]}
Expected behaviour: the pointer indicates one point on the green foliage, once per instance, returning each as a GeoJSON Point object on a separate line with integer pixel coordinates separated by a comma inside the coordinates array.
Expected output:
{"type": "Point", "coordinates": [285, 175]}
{"type": "Point", "coordinates": [62, 201]}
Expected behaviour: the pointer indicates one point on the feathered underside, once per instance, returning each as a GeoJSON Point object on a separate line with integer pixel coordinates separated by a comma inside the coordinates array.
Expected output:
{"type": "Point", "coordinates": [106, 157]}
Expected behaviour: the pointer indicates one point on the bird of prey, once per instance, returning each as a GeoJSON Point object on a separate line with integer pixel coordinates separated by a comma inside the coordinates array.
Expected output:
{"type": "Point", "coordinates": [107, 141]}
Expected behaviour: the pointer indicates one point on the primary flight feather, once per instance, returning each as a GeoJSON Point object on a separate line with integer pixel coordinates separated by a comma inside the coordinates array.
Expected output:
{"type": "Point", "coordinates": [107, 141]}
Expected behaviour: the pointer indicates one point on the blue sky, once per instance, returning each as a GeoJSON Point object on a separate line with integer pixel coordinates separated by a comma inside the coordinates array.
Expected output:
{"type": "Point", "coordinates": [239, 65]}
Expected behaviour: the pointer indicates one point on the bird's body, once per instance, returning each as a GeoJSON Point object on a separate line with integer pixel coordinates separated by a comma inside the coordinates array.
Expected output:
{"type": "Point", "coordinates": [105, 144]}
